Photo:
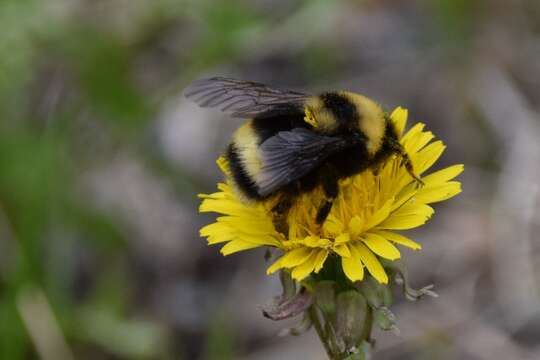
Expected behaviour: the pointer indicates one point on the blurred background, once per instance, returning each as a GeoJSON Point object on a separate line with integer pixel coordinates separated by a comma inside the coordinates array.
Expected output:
{"type": "Point", "coordinates": [101, 159]}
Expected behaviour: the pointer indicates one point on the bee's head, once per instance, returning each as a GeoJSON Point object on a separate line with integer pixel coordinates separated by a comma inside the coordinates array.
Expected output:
{"type": "Point", "coordinates": [353, 114]}
{"type": "Point", "coordinates": [347, 112]}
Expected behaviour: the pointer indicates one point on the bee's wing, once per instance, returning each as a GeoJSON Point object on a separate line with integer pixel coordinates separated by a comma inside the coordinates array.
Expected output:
{"type": "Point", "coordinates": [243, 98]}
{"type": "Point", "coordinates": [290, 155]}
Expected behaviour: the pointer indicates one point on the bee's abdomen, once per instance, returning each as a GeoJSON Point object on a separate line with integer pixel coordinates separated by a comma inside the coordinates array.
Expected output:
{"type": "Point", "coordinates": [244, 161]}
{"type": "Point", "coordinates": [243, 152]}
{"type": "Point", "coordinates": [240, 176]}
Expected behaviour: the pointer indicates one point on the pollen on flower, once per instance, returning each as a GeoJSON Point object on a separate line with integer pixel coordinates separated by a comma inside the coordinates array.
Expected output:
{"type": "Point", "coordinates": [361, 227]}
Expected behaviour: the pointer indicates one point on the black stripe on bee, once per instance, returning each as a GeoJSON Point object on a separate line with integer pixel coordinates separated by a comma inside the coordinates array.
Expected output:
{"type": "Point", "coordinates": [389, 142]}
{"type": "Point", "coordinates": [241, 178]}
{"type": "Point", "coordinates": [265, 128]}
{"type": "Point", "coordinates": [342, 108]}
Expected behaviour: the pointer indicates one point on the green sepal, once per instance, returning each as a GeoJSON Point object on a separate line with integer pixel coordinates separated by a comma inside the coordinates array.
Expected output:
{"type": "Point", "coordinates": [325, 297]}
{"type": "Point", "coordinates": [288, 285]}
{"type": "Point", "coordinates": [363, 352]}
{"type": "Point", "coordinates": [376, 294]}
{"type": "Point", "coordinates": [351, 314]}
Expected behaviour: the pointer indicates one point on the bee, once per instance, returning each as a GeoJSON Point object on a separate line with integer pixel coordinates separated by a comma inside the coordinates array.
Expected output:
{"type": "Point", "coordinates": [295, 142]}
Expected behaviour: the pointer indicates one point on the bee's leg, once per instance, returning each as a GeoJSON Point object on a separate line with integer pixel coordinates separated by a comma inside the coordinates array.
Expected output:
{"type": "Point", "coordinates": [280, 212]}
{"type": "Point", "coordinates": [409, 167]}
{"type": "Point", "coordinates": [330, 188]}
{"type": "Point", "coordinates": [406, 161]}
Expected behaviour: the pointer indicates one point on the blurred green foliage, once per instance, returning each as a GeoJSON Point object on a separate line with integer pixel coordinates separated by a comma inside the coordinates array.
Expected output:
{"type": "Point", "coordinates": [64, 66]}
{"type": "Point", "coordinates": [221, 342]}
{"type": "Point", "coordinates": [37, 196]}
{"type": "Point", "coordinates": [456, 19]}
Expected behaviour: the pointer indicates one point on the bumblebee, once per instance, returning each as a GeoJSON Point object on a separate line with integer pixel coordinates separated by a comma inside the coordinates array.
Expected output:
{"type": "Point", "coordinates": [294, 142]}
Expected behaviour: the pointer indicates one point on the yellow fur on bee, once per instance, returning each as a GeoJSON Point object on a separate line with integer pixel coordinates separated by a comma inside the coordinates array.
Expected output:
{"type": "Point", "coordinates": [325, 119]}
{"type": "Point", "coordinates": [246, 142]}
{"type": "Point", "coordinates": [371, 120]}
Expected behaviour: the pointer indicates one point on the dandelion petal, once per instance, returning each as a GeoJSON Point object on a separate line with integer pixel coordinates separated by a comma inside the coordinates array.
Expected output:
{"type": "Point", "coordinates": [380, 246]}
{"type": "Point", "coordinates": [342, 238]}
{"type": "Point", "coordinates": [442, 176]}
{"type": "Point", "coordinates": [408, 216]}
{"type": "Point", "coordinates": [217, 233]}
{"type": "Point", "coordinates": [292, 258]}
{"type": "Point", "coordinates": [301, 271]}
{"type": "Point", "coordinates": [438, 193]}
{"type": "Point", "coordinates": [372, 264]}
{"type": "Point", "coordinates": [399, 239]}
{"type": "Point", "coordinates": [319, 260]}
{"type": "Point", "coordinates": [342, 250]}
{"type": "Point", "coordinates": [380, 214]}
{"type": "Point", "coordinates": [356, 226]}
{"type": "Point", "coordinates": [236, 246]}
{"type": "Point", "coordinates": [428, 155]}
{"type": "Point", "coordinates": [296, 257]}
{"type": "Point", "coordinates": [399, 118]}
{"type": "Point", "coordinates": [353, 268]}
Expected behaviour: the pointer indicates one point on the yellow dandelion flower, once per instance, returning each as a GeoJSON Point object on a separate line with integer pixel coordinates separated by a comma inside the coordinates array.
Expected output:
{"type": "Point", "coordinates": [361, 227]}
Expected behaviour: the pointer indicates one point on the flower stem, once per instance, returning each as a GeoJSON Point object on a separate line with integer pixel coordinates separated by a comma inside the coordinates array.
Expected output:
{"type": "Point", "coordinates": [322, 335]}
